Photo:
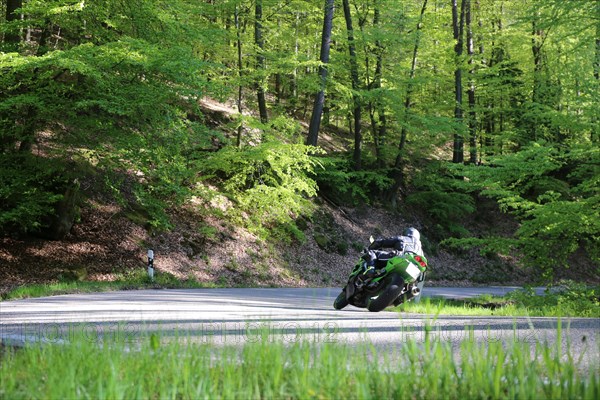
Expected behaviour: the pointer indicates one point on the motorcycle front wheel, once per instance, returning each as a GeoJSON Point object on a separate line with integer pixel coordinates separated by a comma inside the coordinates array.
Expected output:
{"type": "Point", "coordinates": [392, 290]}
{"type": "Point", "coordinates": [340, 301]}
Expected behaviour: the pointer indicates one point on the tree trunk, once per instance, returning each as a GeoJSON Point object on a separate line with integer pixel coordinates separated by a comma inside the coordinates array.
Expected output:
{"type": "Point", "coordinates": [378, 125]}
{"type": "Point", "coordinates": [355, 87]}
{"type": "Point", "coordinates": [458, 25]}
{"type": "Point", "coordinates": [296, 51]}
{"type": "Point", "coordinates": [11, 15]}
{"type": "Point", "coordinates": [471, 91]}
{"type": "Point", "coordinates": [596, 119]}
{"type": "Point", "coordinates": [240, 74]}
{"type": "Point", "coordinates": [381, 127]}
{"type": "Point", "coordinates": [398, 174]}
{"type": "Point", "coordinates": [315, 120]}
{"type": "Point", "coordinates": [260, 62]}
{"type": "Point", "coordinates": [537, 41]}
{"type": "Point", "coordinates": [407, 100]}
{"type": "Point", "coordinates": [489, 119]}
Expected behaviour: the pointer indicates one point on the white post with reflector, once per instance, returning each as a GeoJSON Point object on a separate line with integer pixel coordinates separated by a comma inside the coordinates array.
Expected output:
{"type": "Point", "coordinates": [151, 264]}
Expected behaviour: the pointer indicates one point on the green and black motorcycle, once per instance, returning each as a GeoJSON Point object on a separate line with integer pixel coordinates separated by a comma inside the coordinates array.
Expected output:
{"type": "Point", "coordinates": [400, 281]}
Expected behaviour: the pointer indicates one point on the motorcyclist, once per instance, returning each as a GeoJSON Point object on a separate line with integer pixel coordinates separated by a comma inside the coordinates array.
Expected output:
{"type": "Point", "coordinates": [409, 241]}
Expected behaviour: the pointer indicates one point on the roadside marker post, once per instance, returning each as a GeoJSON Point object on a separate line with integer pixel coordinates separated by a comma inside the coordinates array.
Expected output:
{"type": "Point", "coordinates": [151, 264]}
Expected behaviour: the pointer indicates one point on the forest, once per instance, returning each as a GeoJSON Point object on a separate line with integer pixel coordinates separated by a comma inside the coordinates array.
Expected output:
{"type": "Point", "coordinates": [436, 105]}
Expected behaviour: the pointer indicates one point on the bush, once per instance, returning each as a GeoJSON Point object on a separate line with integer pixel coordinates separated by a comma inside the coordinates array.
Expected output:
{"type": "Point", "coordinates": [270, 183]}
{"type": "Point", "coordinates": [30, 187]}
{"type": "Point", "coordinates": [568, 298]}
{"type": "Point", "coordinates": [554, 194]}
{"type": "Point", "coordinates": [444, 198]}
{"type": "Point", "coordinates": [343, 185]}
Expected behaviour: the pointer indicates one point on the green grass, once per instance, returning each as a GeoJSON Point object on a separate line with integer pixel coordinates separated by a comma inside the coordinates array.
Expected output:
{"type": "Point", "coordinates": [304, 370]}
{"type": "Point", "coordinates": [571, 300]}
{"type": "Point", "coordinates": [468, 307]}
{"type": "Point", "coordinates": [131, 281]}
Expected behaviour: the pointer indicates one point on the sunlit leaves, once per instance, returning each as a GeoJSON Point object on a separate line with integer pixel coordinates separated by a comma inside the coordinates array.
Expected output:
{"type": "Point", "coordinates": [270, 182]}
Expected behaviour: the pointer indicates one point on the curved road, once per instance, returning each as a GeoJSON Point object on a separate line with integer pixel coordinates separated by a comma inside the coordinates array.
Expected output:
{"type": "Point", "coordinates": [235, 316]}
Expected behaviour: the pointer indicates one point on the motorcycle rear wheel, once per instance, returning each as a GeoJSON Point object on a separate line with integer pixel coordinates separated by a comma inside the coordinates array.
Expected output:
{"type": "Point", "coordinates": [388, 295]}
{"type": "Point", "coordinates": [340, 301]}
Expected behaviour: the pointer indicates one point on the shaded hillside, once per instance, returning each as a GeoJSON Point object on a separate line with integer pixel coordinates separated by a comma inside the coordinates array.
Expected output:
{"type": "Point", "coordinates": [110, 240]}
{"type": "Point", "coordinates": [106, 244]}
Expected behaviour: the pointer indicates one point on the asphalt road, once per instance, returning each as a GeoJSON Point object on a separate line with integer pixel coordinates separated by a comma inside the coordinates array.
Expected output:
{"type": "Point", "coordinates": [236, 316]}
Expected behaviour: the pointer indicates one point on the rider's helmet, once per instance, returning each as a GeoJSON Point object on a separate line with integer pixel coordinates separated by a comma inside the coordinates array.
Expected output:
{"type": "Point", "coordinates": [412, 232]}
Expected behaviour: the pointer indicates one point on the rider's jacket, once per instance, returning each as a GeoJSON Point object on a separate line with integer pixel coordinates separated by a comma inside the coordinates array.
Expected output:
{"type": "Point", "coordinates": [399, 243]}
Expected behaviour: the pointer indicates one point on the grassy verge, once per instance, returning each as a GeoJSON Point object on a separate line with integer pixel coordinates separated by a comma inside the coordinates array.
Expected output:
{"type": "Point", "coordinates": [267, 369]}
{"type": "Point", "coordinates": [569, 300]}
{"type": "Point", "coordinates": [136, 280]}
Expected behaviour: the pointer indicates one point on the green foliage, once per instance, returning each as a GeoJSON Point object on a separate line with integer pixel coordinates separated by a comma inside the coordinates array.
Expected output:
{"type": "Point", "coordinates": [344, 185]}
{"type": "Point", "coordinates": [130, 280]}
{"type": "Point", "coordinates": [270, 183]}
{"type": "Point", "coordinates": [568, 298]}
{"type": "Point", "coordinates": [113, 87]}
{"type": "Point", "coordinates": [28, 193]}
{"type": "Point", "coordinates": [328, 235]}
{"type": "Point", "coordinates": [554, 193]}
{"type": "Point", "coordinates": [444, 198]}
{"type": "Point", "coordinates": [113, 102]}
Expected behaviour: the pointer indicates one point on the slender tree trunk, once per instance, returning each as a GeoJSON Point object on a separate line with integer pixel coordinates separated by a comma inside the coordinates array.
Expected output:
{"type": "Point", "coordinates": [597, 55]}
{"type": "Point", "coordinates": [278, 87]}
{"type": "Point", "coordinates": [240, 73]}
{"type": "Point", "coordinates": [11, 15]}
{"type": "Point", "coordinates": [489, 120]}
{"type": "Point", "coordinates": [484, 114]}
{"type": "Point", "coordinates": [44, 37]}
{"type": "Point", "coordinates": [398, 174]}
{"type": "Point", "coordinates": [260, 61]}
{"type": "Point", "coordinates": [596, 119]}
{"type": "Point", "coordinates": [382, 128]}
{"type": "Point", "coordinates": [296, 51]}
{"type": "Point", "coordinates": [408, 100]}
{"type": "Point", "coordinates": [378, 125]}
{"type": "Point", "coordinates": [537, 41]}
{"type": "Point", "coordinates": [458, 27]}
{"type": "Point", "coordinates": [315, 120]}
{"type": "Point", "coordinates": [355, 87]}
{"type": "Point", "coordinates": [370, 85]}
{"type": "Point", "coordinates": [538, 38]}
{"type": "Point", "coordinates": [471, 91]}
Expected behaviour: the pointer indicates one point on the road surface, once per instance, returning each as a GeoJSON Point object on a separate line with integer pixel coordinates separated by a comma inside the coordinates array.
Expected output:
{"type": "Point", "coordinates": [235, 316]}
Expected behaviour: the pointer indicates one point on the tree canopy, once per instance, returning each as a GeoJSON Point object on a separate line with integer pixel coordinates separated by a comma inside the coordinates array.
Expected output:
{"type": "Point", "coordinates": [436, 102]}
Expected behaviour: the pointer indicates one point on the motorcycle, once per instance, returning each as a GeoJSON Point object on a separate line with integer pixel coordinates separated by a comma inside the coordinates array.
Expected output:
{"type": "Point", "coordinates": [400, 280]}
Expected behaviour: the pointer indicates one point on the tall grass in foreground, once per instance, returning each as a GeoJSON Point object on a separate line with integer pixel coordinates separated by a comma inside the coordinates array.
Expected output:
{"type": "Point", "coordinates": [267, 369]}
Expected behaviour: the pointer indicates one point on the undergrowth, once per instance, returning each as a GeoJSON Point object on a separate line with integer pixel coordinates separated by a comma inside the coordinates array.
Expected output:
{"type": "Point", "coordinates": [129, 281]}
{"type": "Point", "coordinates": [570, 299]}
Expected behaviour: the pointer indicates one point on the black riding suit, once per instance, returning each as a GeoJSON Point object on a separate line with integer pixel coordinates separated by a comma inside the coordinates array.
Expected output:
{"type": "Point", "coordinates": [399, 244]}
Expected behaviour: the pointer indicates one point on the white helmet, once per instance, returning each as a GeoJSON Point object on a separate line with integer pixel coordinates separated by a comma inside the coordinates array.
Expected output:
{"type": "Point", "coordinates": [412, 232]}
